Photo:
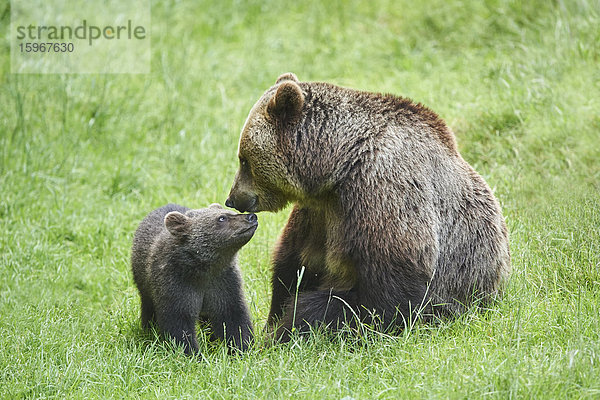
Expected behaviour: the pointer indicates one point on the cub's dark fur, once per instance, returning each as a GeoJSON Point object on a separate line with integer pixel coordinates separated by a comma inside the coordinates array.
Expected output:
{"type": "Point", "coordinates": [184, 265]}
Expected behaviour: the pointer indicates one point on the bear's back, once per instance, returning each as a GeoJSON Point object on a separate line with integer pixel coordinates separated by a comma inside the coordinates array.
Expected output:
{"type": "Point", "coordinates": [405, 159]}
{"type": "Point", "coordinates": [146, 235]}
{"type": "Point", "coordinates": [384, 109]}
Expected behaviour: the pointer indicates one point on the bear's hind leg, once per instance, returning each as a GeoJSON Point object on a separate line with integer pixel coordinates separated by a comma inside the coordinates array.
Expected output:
{"type": "Point", "coordinates": [328, 308]}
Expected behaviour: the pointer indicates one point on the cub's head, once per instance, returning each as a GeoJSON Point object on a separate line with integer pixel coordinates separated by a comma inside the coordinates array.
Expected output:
{"type": "Point", "coordinates": [264, 180]}
{"type": "Point", "coordinates": [211, 231]}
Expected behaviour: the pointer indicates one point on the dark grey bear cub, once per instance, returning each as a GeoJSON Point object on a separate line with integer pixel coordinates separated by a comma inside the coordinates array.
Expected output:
{"type": "Point", "coordinates": [185, 267]}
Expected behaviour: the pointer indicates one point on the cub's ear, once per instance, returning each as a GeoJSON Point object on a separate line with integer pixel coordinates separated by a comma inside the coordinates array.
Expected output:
{"type": "Point", "coordinates": [216, 205]}
{"type": "Point", "coordinates": [288, 76]}
{"type": "Point", "coordinates": [286, 105]}
{"type": "Point", "coordinates": [176, 223]}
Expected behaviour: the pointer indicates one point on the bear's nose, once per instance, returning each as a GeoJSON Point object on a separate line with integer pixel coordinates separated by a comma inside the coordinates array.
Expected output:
{"type": "Point", "coordinates": [229, 202]}
{"type": "Point", "coordinates": [252, 217]}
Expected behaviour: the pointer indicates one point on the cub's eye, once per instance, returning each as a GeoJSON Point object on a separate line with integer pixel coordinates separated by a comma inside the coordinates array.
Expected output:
{"type": "Point", "coordinates": [243, 162]}
{"type": "Point", "coordinates": [222, 218]}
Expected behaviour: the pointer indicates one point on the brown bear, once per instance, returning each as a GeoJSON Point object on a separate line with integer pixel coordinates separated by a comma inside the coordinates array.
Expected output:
{"type": "Point", "coordinates": [185, 267]}
{"type": "Point", "coordinates": [389, 221]}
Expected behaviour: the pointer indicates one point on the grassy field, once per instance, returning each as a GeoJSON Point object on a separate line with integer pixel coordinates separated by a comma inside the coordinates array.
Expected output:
{"type": "Point", "coordinates": [84, 157]}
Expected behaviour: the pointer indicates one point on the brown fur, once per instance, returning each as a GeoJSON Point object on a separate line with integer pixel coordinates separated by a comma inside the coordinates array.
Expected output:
{"type": "Point", "coordinates": [184, 264]}
{"type": "Point", "coordinates": [388, 217]}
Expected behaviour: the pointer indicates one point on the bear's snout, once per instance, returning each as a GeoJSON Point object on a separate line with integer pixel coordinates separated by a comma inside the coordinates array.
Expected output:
{"type": "Point", "coordinates": [252, 217]}
{"type": "Point", "coordinates": [242, 203]}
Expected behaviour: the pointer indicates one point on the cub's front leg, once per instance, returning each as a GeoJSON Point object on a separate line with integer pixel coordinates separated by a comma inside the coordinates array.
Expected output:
{"type": "Point", "coordinates": [180, 326]}
{"type": "Point", "coordinates": [228, 312]}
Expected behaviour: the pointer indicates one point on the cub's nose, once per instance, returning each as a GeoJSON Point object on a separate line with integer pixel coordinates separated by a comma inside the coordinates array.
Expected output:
{"type": "Point", "coordinates": [229, 202]}
{"type": "Point", "coordinates": [252, 217]}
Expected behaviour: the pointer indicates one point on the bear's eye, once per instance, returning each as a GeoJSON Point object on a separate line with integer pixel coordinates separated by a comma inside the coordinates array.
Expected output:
{"type": "Point", "coordinates": [243, 162]}
{"type": "Point", "coordinates": [222, 218]}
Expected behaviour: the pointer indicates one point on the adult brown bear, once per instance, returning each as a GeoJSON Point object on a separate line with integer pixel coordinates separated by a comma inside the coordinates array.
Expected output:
{"type": "Point", "coordinates": [388, 219]}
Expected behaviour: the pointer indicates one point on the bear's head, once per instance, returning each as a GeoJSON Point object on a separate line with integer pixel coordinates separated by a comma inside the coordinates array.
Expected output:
{"type": "Point", "coordinates": [211, 232]}
{"type": "Point", "coordinates": [264, 180]}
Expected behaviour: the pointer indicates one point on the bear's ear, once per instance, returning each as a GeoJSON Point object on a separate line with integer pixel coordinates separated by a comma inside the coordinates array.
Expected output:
{"type": "Point", "coordinates": [288, 76]}
{"type": "Point", "coordinates": [176, 223]}
{"type": "Point", "coordinates": [216, 205]}
{"type": "Point", "coordinates": [286, 105]}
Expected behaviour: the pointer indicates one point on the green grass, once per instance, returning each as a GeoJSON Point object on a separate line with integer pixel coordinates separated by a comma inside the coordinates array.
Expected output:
{"type": "Point", "coordinates": [84, 157]}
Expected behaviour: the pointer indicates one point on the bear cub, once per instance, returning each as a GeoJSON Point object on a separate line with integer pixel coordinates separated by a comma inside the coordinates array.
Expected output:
{"type": "Point", "coordinates": [185, 267]}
